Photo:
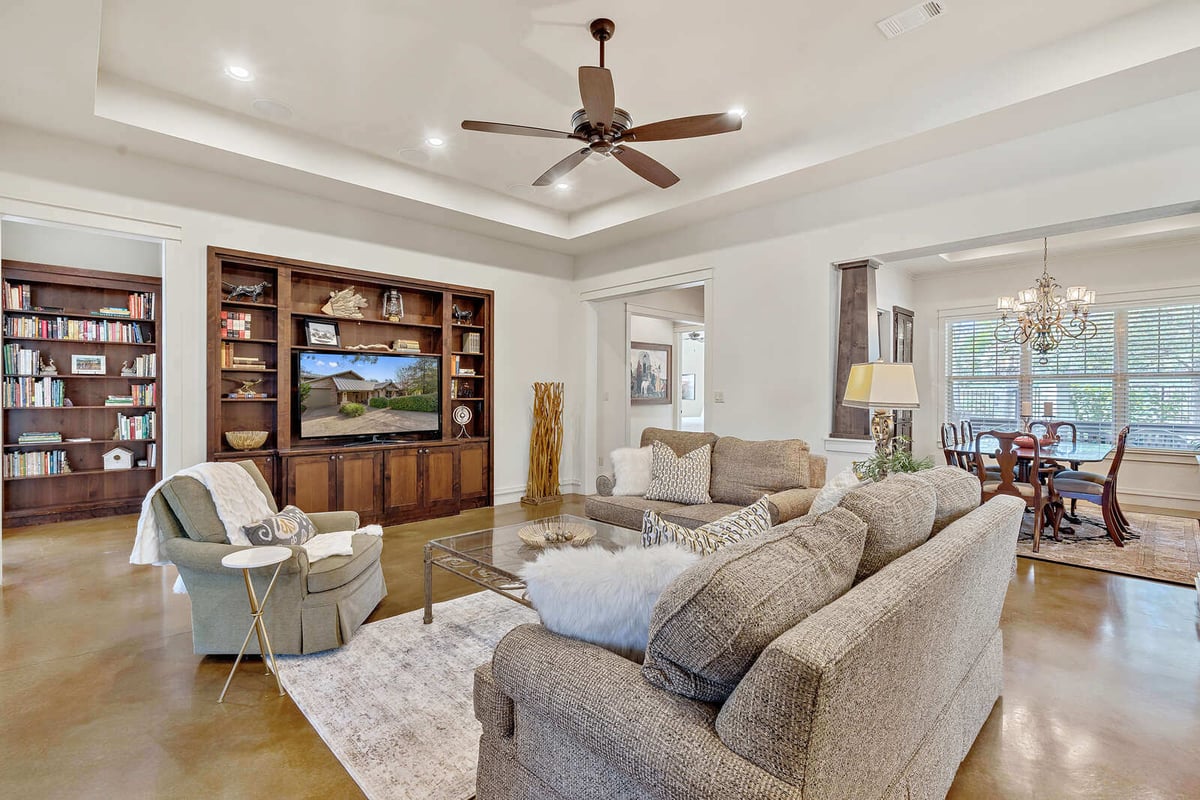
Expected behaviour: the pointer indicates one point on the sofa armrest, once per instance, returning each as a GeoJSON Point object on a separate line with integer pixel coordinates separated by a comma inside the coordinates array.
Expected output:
{"type": "Point", "coordinates": [604, 485]}
{"type": "Point", "coordinates": [598, 700]}
{"type": "Point", "coordinates": [818, 467]}
{"type": "Point", "coordinates": [206, 556]}
{"type": "Point", "coordinates": [791, 503]}
{"type": "Point", "coordinates": [333, 521]}
{"type": "Point", "coordinates": [492, 708]}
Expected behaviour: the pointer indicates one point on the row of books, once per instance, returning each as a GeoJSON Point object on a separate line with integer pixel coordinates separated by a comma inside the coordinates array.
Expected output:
{"type": "Point", "coordinates": [19, 360]}
{"type": "Point", "coordinates": [17, 296]}
{"type": "Point", "coordinates": [39, 437]}
{"type": "Point", "coordinates": [472, 342]}
{"type": "Point", "coordinates": [138, 427]}
{"type": "Point", "coordinates": [457, 368]}
{"type": "Point", "coordinates": [235, 325]}
{"type": "Point", "coordinates": [144, 366]}
{"type": "Point", "coordinates": [25, 465]}
{"type": "Point", "coordinates": [230, 361]}
{"type": "Point", "coordinates": [78, 330]}
{"type": "Point", "coordinates": [139, 395]}
{"type": "Point", "coordinates": [141, 306]}
{"type": "Point", "coordinates": [34, 392]}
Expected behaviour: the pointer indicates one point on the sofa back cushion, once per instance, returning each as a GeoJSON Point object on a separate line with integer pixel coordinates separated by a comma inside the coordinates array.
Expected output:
{"type": "Point", "coordinates": [744, 471]}
{"type": "Point", "coordinates": [682, 442]}
{"type": "Point", "coordinates": [193, 508]}
{"type": "Point", "coordinates": [839, 703]}
{"type": "Point", "coordinates": [712, 622]}
{"type": "Point", "coordinates": [958, 493]}
{"type": "Point", "coordinates": [899, 515]}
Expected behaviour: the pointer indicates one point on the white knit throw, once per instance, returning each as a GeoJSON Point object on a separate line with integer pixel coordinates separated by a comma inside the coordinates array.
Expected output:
{"type": "Point", "coordinates": [235, 494]}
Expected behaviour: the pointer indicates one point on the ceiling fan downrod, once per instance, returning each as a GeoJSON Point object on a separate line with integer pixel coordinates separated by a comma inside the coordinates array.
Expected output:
{"type": "Point", "coordinates": [602, 30]}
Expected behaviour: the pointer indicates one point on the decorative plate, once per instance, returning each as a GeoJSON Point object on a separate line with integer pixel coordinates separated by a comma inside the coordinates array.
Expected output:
{"type": "Point", "coordinates": [552, 534]}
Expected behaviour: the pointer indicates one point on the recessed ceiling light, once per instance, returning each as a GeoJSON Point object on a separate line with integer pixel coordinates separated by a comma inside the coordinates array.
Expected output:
{"type": "Point", "coordinates": [239, 73]}
{"type": "Point", "coordinates": [740, 112]}
{"type": "Point", "coordinates": [562, 186]}
{"type": "Point", "coordinates": [272, 109]}
{"type": "Point", "coordinates": [435, 141]}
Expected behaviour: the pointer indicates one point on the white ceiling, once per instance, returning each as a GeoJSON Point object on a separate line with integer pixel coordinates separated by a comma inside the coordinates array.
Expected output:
{"type": "Point", "coordinates": [829, 99]}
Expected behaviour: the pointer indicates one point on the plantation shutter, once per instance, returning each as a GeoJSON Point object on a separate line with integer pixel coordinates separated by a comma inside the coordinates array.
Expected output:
{"type": "Point", "coordinates": [1163, 367]}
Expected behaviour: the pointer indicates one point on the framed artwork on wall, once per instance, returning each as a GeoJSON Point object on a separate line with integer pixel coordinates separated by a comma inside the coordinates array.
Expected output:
{"type": "Point", "coordinates": [649, 373]}
{"type": "Point", "coordinates": [687, 386]}
{"type": "Point", "coordinates": [88, 365]}
{"type": "Point", "coordinates": [322, 333]}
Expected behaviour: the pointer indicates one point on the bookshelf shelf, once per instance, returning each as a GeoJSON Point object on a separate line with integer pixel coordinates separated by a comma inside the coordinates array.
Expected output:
{"type": "Point", "coordinates": [34, 499]}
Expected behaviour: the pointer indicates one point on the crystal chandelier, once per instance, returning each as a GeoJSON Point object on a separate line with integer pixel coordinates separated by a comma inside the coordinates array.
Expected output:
{"type": "Point", "coordinates": [1043, 316]}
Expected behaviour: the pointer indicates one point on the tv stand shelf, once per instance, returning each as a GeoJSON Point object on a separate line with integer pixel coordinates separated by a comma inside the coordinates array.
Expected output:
{"type": "Point", "coordinates": [386, 481]}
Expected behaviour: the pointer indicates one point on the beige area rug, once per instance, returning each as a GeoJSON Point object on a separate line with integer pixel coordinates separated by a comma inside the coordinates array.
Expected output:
{"type": "Point", "coordinates": [396, 704]}
{"type": "Point", "coordinates": [1165, 548]}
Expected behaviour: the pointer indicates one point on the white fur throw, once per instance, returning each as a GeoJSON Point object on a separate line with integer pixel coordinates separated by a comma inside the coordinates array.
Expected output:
{"type": "Point", "coordinates": [834, 491]}
{"type": "Point", "coordinates": [601, 597]}
{"type": "Point", "coordinates": [631, 470]}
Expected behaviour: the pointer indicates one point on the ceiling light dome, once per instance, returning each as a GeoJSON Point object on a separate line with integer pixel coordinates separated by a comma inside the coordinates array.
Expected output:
{"type": "Point", "coordinates": [239, 73]}
{"type": "Point", "coordinates": [435, 141]}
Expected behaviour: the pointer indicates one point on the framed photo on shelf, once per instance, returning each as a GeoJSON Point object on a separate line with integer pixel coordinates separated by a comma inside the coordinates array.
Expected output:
{"type": "Point", "coordinates": [687, 386]}
{"type": "Point", "coordinates": [649, 373]}
{"type": "Point", "coordinates": [88, 365]}
{"type": "Point", "coordinates": [322, 333]}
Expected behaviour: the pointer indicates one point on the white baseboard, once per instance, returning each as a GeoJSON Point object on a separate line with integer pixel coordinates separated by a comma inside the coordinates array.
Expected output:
{"type": "Point", "coordinates": [514, 494]}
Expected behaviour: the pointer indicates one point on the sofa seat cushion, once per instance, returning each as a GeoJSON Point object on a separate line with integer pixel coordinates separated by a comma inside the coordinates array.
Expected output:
{"type": "Point", "coordinates": [899, 515]}
{"type": "Point", "coordinates": [1078, 487]}
{"type": "Point", "coordinates": [335, 571]}
{"type": "Point", "coordinates": [1079, 475]}
{"type": "Point", "coordinates": [958, 493]}
{"type": "Point", "coordinates": [626, 512]}
{"type": "Point", "coordinates": [744, 471]}
{"type": "Point", "coordinates": [1025, 489]}
{"type": "Point", "coordinates": [713, 621]}
{"type": "Point", "coordinates": [695, 516]}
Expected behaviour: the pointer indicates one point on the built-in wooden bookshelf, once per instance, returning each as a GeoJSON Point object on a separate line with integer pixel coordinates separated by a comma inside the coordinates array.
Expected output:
{"type": "Point", "coordinates": [399, 479]}
{"type": "Point", "coordinates": [60, 315]}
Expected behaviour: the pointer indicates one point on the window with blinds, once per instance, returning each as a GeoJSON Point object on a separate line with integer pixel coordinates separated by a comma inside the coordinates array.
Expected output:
{"type": "Point", "coordinates": [1141, 369]}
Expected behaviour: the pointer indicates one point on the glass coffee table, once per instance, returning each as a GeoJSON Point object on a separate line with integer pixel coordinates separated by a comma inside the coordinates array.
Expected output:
{"type": "Point", "coordinates": [493, 558]}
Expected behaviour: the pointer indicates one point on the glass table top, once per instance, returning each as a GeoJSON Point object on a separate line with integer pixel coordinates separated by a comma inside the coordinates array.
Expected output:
{"type": "Point", "coordinates": [1078, 452]}
{"type": "Point", "coordinates": [502, 549]}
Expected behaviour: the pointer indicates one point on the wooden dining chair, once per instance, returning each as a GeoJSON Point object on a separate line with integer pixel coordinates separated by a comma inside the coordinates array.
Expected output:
{"type": "Point", "coordinates": [1074, 485]}
{"type": "Point", "coordinates": [966, 431]}
{"type": "Point", "coordinates": [949, 439]}
{"type": "Point", "coordinates": [1038, 496]}
{"type": "Point", "coordinates": [1057, 430]}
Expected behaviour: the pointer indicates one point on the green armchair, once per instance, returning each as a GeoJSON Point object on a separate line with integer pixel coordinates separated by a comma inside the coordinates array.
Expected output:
{"type": "Point", "coordinates": [313, 607]}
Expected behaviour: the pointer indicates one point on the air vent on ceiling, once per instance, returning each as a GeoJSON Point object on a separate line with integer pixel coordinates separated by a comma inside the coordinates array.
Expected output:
{"type": "Point", "coordinates": [914, 17]}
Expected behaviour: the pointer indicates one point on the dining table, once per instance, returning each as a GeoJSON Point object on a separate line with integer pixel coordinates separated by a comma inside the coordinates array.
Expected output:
{"type": "Point", "coordinates": [1073, 453]}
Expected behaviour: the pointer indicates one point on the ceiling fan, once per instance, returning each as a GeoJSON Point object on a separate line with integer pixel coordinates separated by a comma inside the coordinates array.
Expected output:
{"type": "Point", "coordinates": [607, 129]}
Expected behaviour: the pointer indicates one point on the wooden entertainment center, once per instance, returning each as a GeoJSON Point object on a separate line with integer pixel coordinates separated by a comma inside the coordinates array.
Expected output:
{"type": "Point", "coordinates": [391, 481]}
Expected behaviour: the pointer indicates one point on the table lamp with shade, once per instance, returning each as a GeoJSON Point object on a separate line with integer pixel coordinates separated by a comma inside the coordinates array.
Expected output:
{"type": "Point", "coordinates": [883, 387]}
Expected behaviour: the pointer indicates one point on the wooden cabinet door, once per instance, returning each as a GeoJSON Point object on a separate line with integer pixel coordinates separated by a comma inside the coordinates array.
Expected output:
{"type": "Point", "coordinates": [473, 469]}
{"type": "Point", "coordinates": [402, 481]}
{"type": "Point", "coordinates": [312, 482]}
{"type": "Point", "coordinates": [440, 479]}
{"type": "Point", "coordinates": [360, 483]}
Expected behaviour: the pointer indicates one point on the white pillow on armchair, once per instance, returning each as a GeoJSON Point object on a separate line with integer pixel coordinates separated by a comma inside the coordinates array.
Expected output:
{"type": "Point", "coordinates": [631, 470]}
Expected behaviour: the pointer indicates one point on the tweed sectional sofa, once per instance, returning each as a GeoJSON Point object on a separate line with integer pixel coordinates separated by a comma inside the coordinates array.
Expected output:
{"type": "Point", "coordinates": [878, 694]}
{"type": "Point", "coordinates": [742, 472]}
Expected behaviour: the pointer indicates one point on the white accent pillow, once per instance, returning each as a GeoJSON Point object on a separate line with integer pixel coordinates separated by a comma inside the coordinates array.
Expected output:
{"type": "Point", "coordinates": [834, 491]}
{"type": "Point", "coordinates": [601, 597]}
{"type": "Point", "coordinates": [631, 470]}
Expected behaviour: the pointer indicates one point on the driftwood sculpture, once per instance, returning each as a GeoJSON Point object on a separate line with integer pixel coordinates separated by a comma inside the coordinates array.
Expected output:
{"type": "Point", "coordinates": [545, 444]}
{"type": "Point", "coordinates": [346, 303]}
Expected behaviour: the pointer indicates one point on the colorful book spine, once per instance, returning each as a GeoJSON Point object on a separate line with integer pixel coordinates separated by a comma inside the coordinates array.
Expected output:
{"type": "Point", "coordinates": [77, 330]}
{"type": "Point", "coordinates": [136, 427]}
{"type": "Point", "coordinates": [21, 361]}
{"type": "Point", "coordinates": [143, 394]}
{"type": "Point", "coordinates": [17, 296]}
{"type": "Point", "coordinates": [34, 393]}
{"type": "Point", "coordinates": [235, 325]}
{"type": "Point", "coordinates": [30, 465]}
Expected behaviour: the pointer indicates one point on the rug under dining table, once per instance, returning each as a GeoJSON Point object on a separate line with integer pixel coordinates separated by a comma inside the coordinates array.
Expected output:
{"type": "Point", "coordinates": [1165, 548]}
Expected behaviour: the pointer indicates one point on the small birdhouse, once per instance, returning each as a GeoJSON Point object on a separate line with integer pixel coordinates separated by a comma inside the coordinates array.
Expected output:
{"type": "Point", "coordinates": [118, 458]}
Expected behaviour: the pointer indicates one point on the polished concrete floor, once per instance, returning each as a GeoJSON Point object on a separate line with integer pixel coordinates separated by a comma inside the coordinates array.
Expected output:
{"type": "Point", "coordinates": [101, 696]}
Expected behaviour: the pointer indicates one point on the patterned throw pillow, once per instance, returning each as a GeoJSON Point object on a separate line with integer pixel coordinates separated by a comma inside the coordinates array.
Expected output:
{"type": "Point", "coordinates": [680, 479]}
{"type": "Point", "coordinates": [741, 524]}
{"type": "Point", "coordinates": [289, 526]}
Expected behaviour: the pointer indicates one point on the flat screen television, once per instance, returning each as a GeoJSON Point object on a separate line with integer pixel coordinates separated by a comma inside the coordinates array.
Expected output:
{"type": "Point", "coordinates": [368, 395]}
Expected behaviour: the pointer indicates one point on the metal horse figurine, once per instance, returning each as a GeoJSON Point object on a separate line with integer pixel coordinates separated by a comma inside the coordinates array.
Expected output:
{"type": "Point", "coordinates": [462, 315]}
{"type": "Point", "coordinates": [253, 293]}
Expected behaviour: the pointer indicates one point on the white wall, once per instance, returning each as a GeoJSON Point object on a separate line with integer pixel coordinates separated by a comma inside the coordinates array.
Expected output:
{"type": "Point", "coordinates": [1124, 273]}
{"type": "Point", "coordinates": [652, 331]}
{"type": "Point", "coordinates": [535, 303]}
{"type": "Point", "coordinates": [74, 247]}
{"type": "Point", "coordinates": [773, 287]}
{"type": "Point", "coordinates": [691, 360]}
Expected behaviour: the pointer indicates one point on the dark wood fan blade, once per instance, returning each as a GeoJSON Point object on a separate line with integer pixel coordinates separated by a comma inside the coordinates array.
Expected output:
{"type": "Point", "coordinates": [646, 167]}
{"type": "Point", "coordinates": [599, 99]}
{"type": "Point", "coordinates": [515, 130]}
{"type": "Point", "coordinates": [684, 128]}
{"type": "Point", "coordinates": [559, 170]}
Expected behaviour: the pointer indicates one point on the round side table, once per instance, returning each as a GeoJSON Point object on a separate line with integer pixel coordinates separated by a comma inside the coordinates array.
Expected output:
{"type": "Point", "coordinates": [246, 560]}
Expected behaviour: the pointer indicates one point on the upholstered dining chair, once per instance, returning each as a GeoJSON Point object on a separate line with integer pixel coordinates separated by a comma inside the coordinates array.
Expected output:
{"type": "Point", "coordinates": [1038, 496]}
{"type": "Point", "coordinates": [313, 607]}
{"type": "Point", "coordinates": [1075, 485]}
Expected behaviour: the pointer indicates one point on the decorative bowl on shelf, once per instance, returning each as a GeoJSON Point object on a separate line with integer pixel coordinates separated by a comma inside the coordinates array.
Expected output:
{"type": "Point", "coordinates": [551, 532]}
{"type": "Point", "coordinates": [246, 440]}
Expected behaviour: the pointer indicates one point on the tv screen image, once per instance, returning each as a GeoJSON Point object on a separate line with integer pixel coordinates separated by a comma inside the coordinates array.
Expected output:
{"type": "Point", "coordinates": [367, 394]}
